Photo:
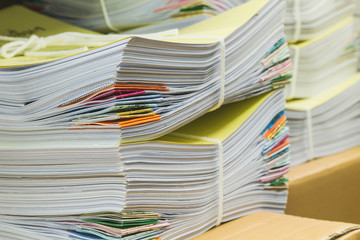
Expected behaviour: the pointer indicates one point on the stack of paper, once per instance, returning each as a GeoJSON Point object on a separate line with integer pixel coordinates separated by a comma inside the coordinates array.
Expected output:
{"type": "Point", "coordinates": [357, 14]}
{"type": "Point", "coordinates": [107, 15]}
{"type": "Point", "coordinates": [224, 165]}
{"type": "Point", "coordinates": [307, 19]}
{"type": "Point", "coordinates": [304, 19]}
{"type": "Point", "coordinates": [135, 88]}
{"type": "Point", "coordinates": [322, 62]}
{"type": "Point", "coordinates": [357, 27]}
{"type": "Point", "coordinates": [327, 123]}
{"type": "Point", "coordinates": [107, 225]}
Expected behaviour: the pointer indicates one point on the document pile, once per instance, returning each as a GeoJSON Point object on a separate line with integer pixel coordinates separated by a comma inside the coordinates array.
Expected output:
{"type": "Point", "coordinates": [106, 225]}
{"type": "Point", "coordinates": [327, 123]}
{"type": "Point", "coordinates": [136, 88]}
{"type": "Point", "coordinates": [94, 141]}
{"type": "Point", "coordinates": [325, 61]}
{"type": "Point", "coordinates": [357, 27]}
{"type": "Point", "coordinates": [307, 19]}
{"type": "Point", "coordinates": [224, 165]}
{"type": "Point", "coordinates": [108, 15]}
{"type": "Point", "coordinates": [304, 19]}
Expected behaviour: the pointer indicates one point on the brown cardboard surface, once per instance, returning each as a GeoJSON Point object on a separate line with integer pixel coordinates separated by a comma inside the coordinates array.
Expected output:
{"type": "Point", "coordinates": [327, 188]}
{"type": "Point", "coordinates": [274, 226]}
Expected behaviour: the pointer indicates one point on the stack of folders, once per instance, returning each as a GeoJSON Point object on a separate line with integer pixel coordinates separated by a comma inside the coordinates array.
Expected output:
{"type": "Point", "coordinates": [226, 164]}
{"type": "Point", "coordinates": [323, 62]}
{"type": "Point", "coordinates": [136, 88]}
{"type": "Point", "coordinates": [327, 123]}
{"type": "Point", "coordinates": [307, 19]}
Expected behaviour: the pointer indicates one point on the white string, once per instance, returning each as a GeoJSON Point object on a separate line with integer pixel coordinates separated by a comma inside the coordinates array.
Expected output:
{"type": "Point", "coordinates": [222, 63]}
{"type": "Point", "coordinates": [13, 48]}
{"type": "Point", "coordinates": [291, 88]}
{"type": "Point", "coordinates": [106, 16]}
{"type": "Point", "coordinates": [297, 15]}
{"type": "Point", "coordinates": [221, 170]}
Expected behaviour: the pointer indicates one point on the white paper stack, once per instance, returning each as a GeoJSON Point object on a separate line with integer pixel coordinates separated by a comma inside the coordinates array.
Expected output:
{"type": "Point", "coordinates": [224, 165]}
{"type": "Point", "coordinates": [137, 88]}
{"type": "Point", "coordinates": [306, 19]}
{"type": "Point", "coordinates": [325, 124]}
{"type": "Point", "coordinates": [357, 27]}
{"type": "Point", "coordinates": [325, 61]}
{"type": "Point", "coordinates": [109, 15]}
{"type": "Point", "coordinates": [357, 14]}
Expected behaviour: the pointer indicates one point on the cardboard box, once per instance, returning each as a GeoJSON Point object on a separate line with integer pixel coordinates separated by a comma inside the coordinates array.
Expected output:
{"type": "Point", "coordinates": [327, 188]}
{"type": "Point", "coordinates": [274, 226]}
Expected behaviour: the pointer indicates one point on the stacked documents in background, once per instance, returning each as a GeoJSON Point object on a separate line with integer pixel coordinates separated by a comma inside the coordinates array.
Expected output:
{"type": "Point", "coordinates": [324, 117]}
{"type": "Point", "coordinates": [323, 62]}
{"type": "Point", "coordinates": [138, 88]}
{"type": "Point", "coordinates": [325, 124]}
{"type": "Point", "coordinates": [107, 15]}
{"type": "Point", "coordinates": [357, 14]}
{"type": "Point", "coordinates": [307, 19]}
{"type": "Point", "coordinates": [357, 27]}
{"type": "Point", "coordinates": [304, 19]}
{"type": "Point", "coordinates": [224, 165]}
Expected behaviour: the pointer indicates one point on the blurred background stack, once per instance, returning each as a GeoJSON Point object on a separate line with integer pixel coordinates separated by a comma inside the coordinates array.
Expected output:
{"type": "Point", "coordinates": [324, 46]}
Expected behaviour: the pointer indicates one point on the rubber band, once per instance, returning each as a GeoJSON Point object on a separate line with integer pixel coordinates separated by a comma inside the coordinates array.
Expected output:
{"type": "Point", "coordinates": [297, 16]}
{"type": "Point", "coordinates": [106, 16]}
{"type": "Point", "coordinates": [222, 63]}
{"type": "Point", "coordinates": [291, 88]}
{"type": "Point", "coordinates": [221, 170]}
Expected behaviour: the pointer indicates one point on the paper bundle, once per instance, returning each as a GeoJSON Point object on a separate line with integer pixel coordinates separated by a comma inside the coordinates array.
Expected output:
{"type": "Point", "coordinates": [306, 19]}
{"type": "Point", "coordinates": [324, 61]}
{"type": "Point", "coordinates": [107, 225]}
{"type": "Point", "coordinates": [135, 88]}
{"type": "Point", "coordinates": [357, 15]}
{"type": "Point", "coordinates": [357, 27]}
{"type": "Point", "coordinates": [325, 124]}
{"type": "Point", "coordinates": [107, 15]}
{"type": "Point", "coordinates": [224, 165]}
